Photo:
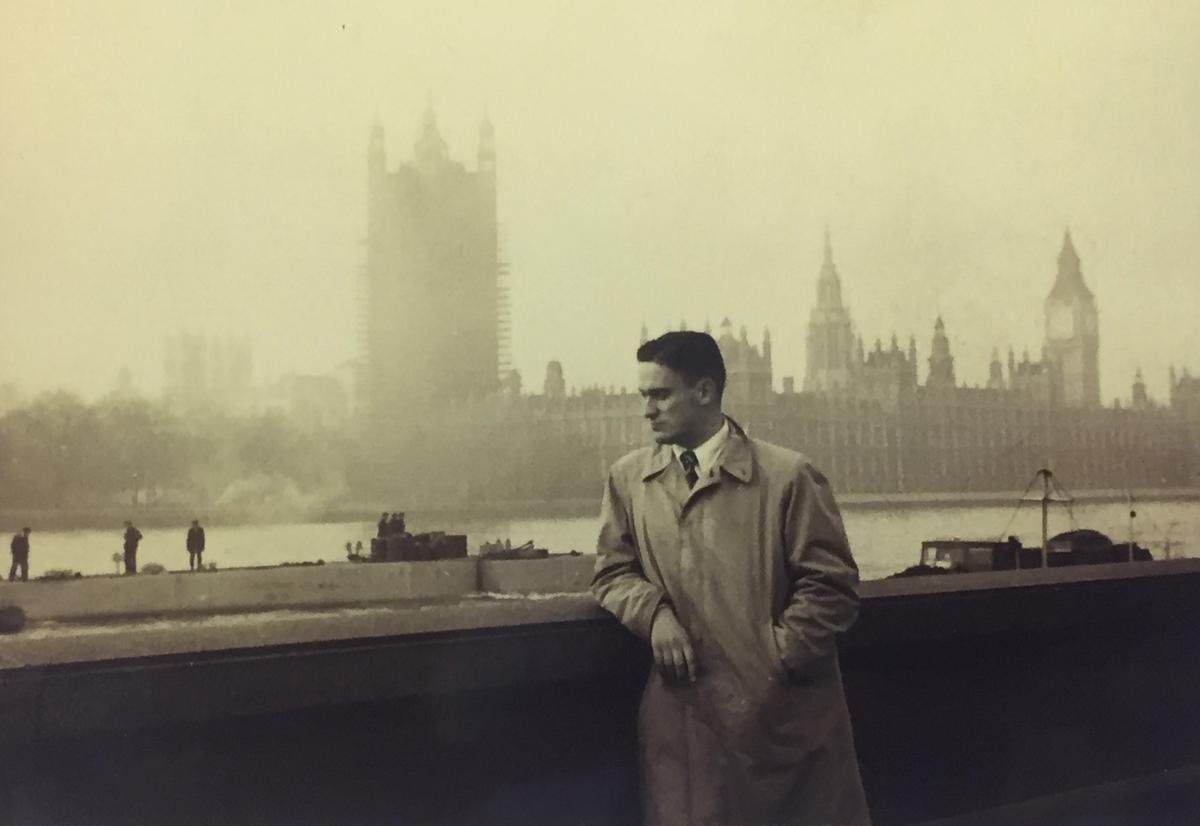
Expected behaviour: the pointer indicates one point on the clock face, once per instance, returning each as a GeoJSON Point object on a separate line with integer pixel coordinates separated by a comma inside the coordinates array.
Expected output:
{"type": "Point", "coordinates": [1062, 322]}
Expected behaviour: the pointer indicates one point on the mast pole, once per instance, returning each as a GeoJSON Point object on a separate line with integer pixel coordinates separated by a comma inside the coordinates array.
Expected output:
{"type": "Point", "coordinates": [1045, 474]}
{"type": "Point", "coordinates": [1132, 514]}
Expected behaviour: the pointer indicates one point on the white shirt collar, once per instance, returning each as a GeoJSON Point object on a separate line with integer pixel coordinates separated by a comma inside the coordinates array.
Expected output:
{"type": "Point", "coordinates": [708, 453]}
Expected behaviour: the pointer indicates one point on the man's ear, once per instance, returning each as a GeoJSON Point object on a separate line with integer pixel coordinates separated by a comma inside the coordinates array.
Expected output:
{"type": "Point", "coordinates": [706, 389]}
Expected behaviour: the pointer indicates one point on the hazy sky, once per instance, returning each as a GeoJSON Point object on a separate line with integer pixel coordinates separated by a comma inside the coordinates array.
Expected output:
{"type": "Point", "coordinates": [201, 166]}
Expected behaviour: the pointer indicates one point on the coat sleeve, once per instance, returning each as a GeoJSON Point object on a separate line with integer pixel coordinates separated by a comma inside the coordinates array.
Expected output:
{"type": "Point", "coordinates": [822, 601]}
{"type": "Point", "coordinates": [619, 583]}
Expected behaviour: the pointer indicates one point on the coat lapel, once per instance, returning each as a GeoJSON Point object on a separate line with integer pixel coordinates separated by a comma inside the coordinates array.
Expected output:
{"type": "Point", "coordinates": [664, 479]}
{"type": "Point", "coordinates": [736, 459]}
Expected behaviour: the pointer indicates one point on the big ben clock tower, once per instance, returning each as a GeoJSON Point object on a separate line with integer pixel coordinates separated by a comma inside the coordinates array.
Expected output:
{"type": "Point", "coordinates": [1073, 333]}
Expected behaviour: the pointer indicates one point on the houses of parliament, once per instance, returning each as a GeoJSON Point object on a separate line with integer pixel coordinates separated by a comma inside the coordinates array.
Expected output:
{"type": "Point", "coordinates": [439, 392]}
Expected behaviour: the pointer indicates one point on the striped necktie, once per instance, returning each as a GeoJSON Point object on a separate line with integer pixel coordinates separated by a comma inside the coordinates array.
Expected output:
{"type": "Point", "coordinates": [690, 463]}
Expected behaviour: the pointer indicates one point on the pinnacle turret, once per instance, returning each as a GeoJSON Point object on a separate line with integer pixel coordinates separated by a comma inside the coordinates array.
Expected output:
{"type": "Point", "coordinates": [430, 149]}
{"type": "Point", "coordinates": [487, 147]}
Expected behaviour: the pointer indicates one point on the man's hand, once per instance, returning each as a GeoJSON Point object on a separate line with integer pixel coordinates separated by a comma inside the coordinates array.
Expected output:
{"type": "Point", "coordinates": [672, 648]}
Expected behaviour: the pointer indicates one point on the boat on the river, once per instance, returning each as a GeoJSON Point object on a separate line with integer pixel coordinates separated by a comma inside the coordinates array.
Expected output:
{"type": "Point", "coordinates": [418, 547]}
{"type": "Point", "coordinates": [1079, 546]}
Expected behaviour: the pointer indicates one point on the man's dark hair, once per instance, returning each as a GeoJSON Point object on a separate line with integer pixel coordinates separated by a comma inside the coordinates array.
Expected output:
{"type": "Point", "coordinates": [692, 355]}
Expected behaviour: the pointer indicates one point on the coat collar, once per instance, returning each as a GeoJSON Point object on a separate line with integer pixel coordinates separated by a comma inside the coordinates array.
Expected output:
{"type": "Point", "coordinates": [737, 459]}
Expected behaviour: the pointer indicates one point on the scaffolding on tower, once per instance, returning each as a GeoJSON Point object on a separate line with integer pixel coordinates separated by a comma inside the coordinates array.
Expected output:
{"type": "Point", "coordinates": [503, 321]}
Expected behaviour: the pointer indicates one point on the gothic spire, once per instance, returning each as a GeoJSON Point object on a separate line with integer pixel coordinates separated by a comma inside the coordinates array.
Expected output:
{"type": "Point", "coordinates": [430, 149]}
{"type": "Point", "coordinates": [1067, 256]}
{"type": "Point", "coordinates": [829, 285]}
{"type": "Point", "coordinates": [1069, 280]}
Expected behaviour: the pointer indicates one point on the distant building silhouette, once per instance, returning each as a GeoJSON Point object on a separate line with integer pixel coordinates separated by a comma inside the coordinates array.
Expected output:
{"type": "Point", "coordinates": [203, 374]}
{"type": "Point", "coordinates": [435, 339]}
{"type": "Point", "coordinates": [833, 350]}
{"type": "Point", "coordinates": [555, 386]}
{"type": "Point", "coordinates": [124, 390]}
{"type": "Point", "coordinates": [941, 363]}
{"type": "Point", "coordinates": [1073, 333]}
{"type": "Point", "coordinates": [435, 313]}
{"type": "Point", "coordinates": [868, 421]}
{"type": "Point", "coordinates": [311, 402]}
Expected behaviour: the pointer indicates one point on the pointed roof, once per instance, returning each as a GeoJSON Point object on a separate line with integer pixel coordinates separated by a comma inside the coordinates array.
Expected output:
{"type": "Point", "coordinates": [430, 147]}
{"type": "Point", "coordinates": [829, 284]}
{"type": "Point", "coordinates": [1067, 255]}
{"type": "Point", "coordinates": [1069, 281]}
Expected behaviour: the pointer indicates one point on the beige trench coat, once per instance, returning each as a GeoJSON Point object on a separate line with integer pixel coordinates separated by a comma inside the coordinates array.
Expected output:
{"type": "Point", "coordinates": [756, 564]}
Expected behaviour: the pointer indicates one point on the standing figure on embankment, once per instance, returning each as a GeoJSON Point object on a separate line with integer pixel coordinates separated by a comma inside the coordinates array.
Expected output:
{"type": "Point", "coordinates": [20, 556]}
{"type": "Point", "coordinates": [195, 545]}
{"type": "Point", "coordinates": [727, 554]}
{"type": "Point", "coordinates": [132, 537]}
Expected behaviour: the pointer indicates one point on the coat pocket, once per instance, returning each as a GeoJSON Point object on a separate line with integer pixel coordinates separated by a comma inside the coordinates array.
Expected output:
{"type": "Point", "coordinates": [777, 640]}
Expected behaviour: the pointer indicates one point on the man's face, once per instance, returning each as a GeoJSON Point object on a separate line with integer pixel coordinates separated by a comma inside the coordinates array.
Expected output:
{"type": "Point", "coordinates": [674, 408]}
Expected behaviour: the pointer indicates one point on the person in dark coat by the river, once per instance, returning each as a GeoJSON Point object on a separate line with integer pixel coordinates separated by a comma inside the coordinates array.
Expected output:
{"type": "Point", "coordinates": [132, 537]}
{"type": "Point", "coordinates": [727, 554]}
{"type": "Point", "coordinates": [195, 545]}
{"type": "Point", "coordinates": [20, 556]}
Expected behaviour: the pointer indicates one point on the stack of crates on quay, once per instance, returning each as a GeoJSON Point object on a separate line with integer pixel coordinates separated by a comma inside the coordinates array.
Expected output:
{"type": "Point", "coordinates": [406, 547]}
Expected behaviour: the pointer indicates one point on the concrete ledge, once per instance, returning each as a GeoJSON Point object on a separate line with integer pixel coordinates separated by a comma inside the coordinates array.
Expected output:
{"type": "Point", "coordinates": [62, 644]}
{"type": "Point", "coordinates": [347, 585]}
{"type": "Point", "coordinates": [997, 580]}
{"type": "Point", "coordinates": [241, 590]}
{"type": "Point", "coordinates": [556, 575]}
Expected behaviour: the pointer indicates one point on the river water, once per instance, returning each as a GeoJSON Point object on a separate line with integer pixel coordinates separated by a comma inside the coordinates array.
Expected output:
{"type": "Point", "coordinates": [884, 541]}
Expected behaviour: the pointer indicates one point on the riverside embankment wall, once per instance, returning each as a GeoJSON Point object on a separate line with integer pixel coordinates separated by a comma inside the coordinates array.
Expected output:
{"type": "Point", "coordinates": [310, 587]}
{"type": "Point", "coordinates": [1063, 696]}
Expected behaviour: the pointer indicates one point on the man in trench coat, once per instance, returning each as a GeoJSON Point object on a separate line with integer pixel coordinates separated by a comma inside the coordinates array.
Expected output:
{"type": "Point", "coordinates": [728, 555]}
